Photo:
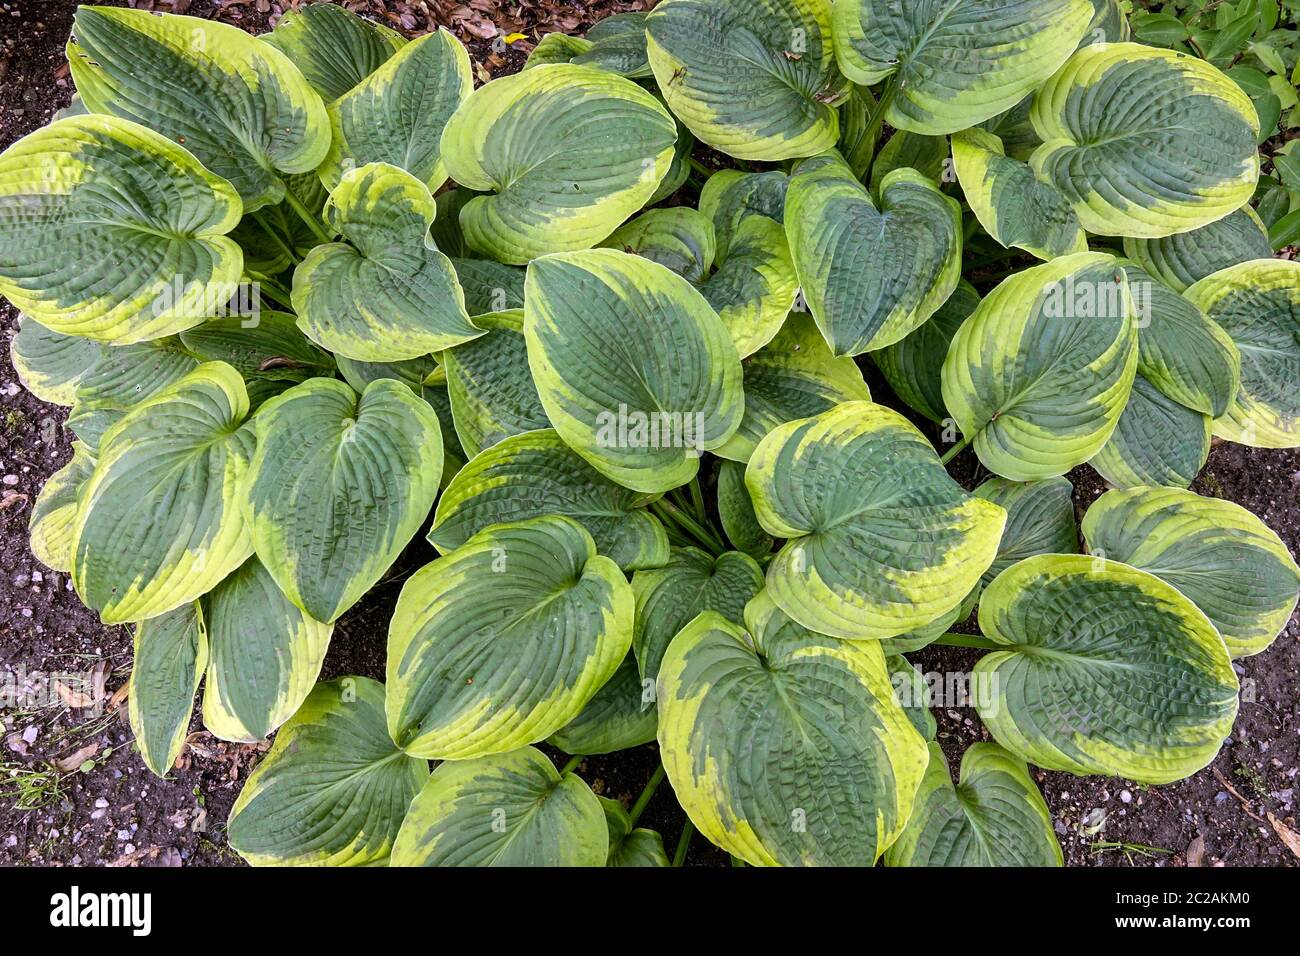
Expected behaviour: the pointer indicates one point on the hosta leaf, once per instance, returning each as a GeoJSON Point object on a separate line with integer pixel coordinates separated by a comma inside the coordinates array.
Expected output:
{"type": "Point", "coordinates": [793, 376]}
{"type": "Point", "coordinates": [925, 154]}
{"type": "Point", "coordinates": [265, 655]}
{"type": "Point", "coordinates": [502, 642]}
{"type": "Point", "coordinates": [857, 143]}
{"type": "Point", "coordinates": [1015, 129]}
{"type": "Point", "coordinates": [339, 485]}
{"type": "Point", "coordinates": [756, 286]}
{"type": "Point", "coordinates": [755, 79]}
{"type": "Point", "coordinates": [621, 715]}
{"type": "Point", "coordinates": [1107, 670]}
{"type": "Point", "coordinates": [511, 809]}
{"type": "Point", "coordinates": [159, 521]}
{"type": "Point", "coordinates": [556, 48]}
{"type": "Point", "coordinates": [618, 45]}
{"type": "Point", "coordinates": [396, 115]}
{"type": "Point", "coordinates": [414, 373]}
{"type": "Point", "coordinates": [1183, 258]}
{"type": "Point", "coordinates": [1145, 142]}
{"type": "Point", "coordinates": [680, 239]}
{"type": "Point", "coordinates": [913, 366]}
{"type": "Point", "coordinates": [1009, 201]}
{"type": "Point", "coordinates": [490, 385]}
{"type": "Point", "coordinates": [736, 512]}
{"type": "Point", "coordinates": [535, 474]}
{"type": "Point", "coordinates": [786, 747]}
{"type": "Point", "coordinates": [911, 692]}
{"type": "Point", "coordinates": [871, 275]}
{"type": "Point", "coordinates": [629, 846]}
{"type": "Point", "coordinates": [171, 652]}
{"type": "Point", "coordinates": [333, 47]}
{"type": "Point", "coordinates": [267, 350]}
{"type": "Point", "coordinates": [334, 789]}
{"type": "Point", "coordinates": [994, 816]}
{"type": "Point", "coordinates": [955, 63]}
{"type": "Point", "coordinates": [112, 232]}
{"type": "Point", "coordinates": [1180, 351]}
{"type": "Point", "coordinates": [1258, 304]}
{"type": "Point", "coordinates": [50, 364]}
{"type": "Point", "coordinates": [567, 152]}
{"type": "Point", "coordinates": [489, 286]}
{"type": "Point", "coordinates": [1040, 519]}
{"type": "Point", "coordinates": [691, 583]}
{"type": "Point", "coordinates": [238, 104]}
{"type": "Point", "coordinates": [1038, 375]}
{"type": "Point", "coordinates": [636, 372]}
{"type": "Point", "coordinates": [881, 540]}
{"type": "Point", "coordinates": [730, 197]}
{"type": "Point", "coordinates": [389, 294]}
{"type": "Point", "coordinates": [1218, 554]}
{"type": "Point", "coordinates": [1157, 441]}
{"type": "Point", "coordinates": [1109, 23]}
{"type": "Point", "coordinates": [54, 512]}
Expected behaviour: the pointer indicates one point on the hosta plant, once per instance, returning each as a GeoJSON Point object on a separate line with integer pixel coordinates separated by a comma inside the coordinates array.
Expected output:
{"type": "Point", "coordinates": [668, 429]}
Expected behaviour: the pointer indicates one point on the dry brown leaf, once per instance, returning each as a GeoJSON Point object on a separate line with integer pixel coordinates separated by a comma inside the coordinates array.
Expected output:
{"type": "Point", "coordinates": [75, 759]}
{"type": "Point", "coordinates": [1196, 851]}
{"type": "Point", "coordinates": [1288, 836]}
{"type": "Point", "coordinates": [11, 498]}
{"type": "Point", "coordinates": [74, 699]}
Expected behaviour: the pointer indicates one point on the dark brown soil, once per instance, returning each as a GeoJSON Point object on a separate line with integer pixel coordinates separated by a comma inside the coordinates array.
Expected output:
{"type": "Point", "coordinates": [116, 812]}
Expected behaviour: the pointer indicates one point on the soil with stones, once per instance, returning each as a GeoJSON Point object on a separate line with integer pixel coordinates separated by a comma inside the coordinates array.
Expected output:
{"type": "Point", "coordinates": [73, 790]}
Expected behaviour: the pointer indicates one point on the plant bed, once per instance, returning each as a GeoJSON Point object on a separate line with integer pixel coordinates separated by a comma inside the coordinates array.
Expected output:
{"type": "Point", "coordinates": [79, 791]}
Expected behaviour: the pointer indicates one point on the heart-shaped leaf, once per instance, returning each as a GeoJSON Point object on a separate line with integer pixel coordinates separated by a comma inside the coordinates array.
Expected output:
{"type": "Point", "coordinates": [490, 386]}
{"type": "Point", "coordinates": [390, 294]}
{"type": "Point", "coordinates": [396, 115]}
{"type": "Point", "coordinates": [994, 816]}
{"type": "Point", "coordinates": [502, 642]}
{"type": "Point", "coordinates": [793, 376]}
{"type": "Point", "coordinates": [1218, 554]}
{"type": "Point", "coordinates": [730, 197]}
{"type": "Point", "coordinates": [630, 846]}
{"type": "Point", "coordinates": [535, 474]}
{"type": "Point", "coordinates": [1186, 257]}
{"type": "Point", "coordinates": [1180, 351]}
{"type": "Point", "coordinates": [334, 789]}
{"type": "Point", "coordinates": [755, 286]}
{"type": "Point", "coordinates": [171, 652]}
{"type": "Point", "coordinates": [265, 655]}
{"type": "Point", "coordinates": [1132, 681]}
{"type": "Point", "coordinates": [786, 747]}
{"type": "Point", "coordinates": [1157, 441]}
{"type": "Point", "coordinates": [139, 260]}
{"type": "Point", "coordinates": [566, 152]}
{"type": "Point", "coordinates": [1009, 201]}
{"type": "Point", "coordinates": [692, 582]}
{"type": "Point", "coordinates": [871, 275]}
{"type": "Point", "coordinates": [754, 80]}
{"type": "Point", "coordinates": [339, 485]}
{"type": "Point", "coordinates": [54, 513]}
{"type": "Point", "coordinates": [953, 63]}
{"type": "Point", "coordinates": [881, 540]}
{"type": "Point", "coordinates": [238, 104]}
{"type": "Point", "coordinates": [50, 364]}
{"type": "Point", "coordinates": [512, 809]}
{"type": "Point", "coordinates": [622, 715]}
{"type": "Point", "coordinates": [635, 370]}
{"type": "Point", "coordinates": [333, 47]}
{"type": "Point", "coordinates": [1258, 304]}
{"type": "Point", "coordinates": [1038, 375]}
{"type": "Point", "coordinates": [928, 155]}
{"type": "Point", "coordinates": [159, 522]}
{"type": "Point", "coordinates": [679, 238]}
{"type": "Point", "coordinates": [913, 366]}
{"type": "Point", "coordinates": [1040, 519]}
{"type": "Point", "coordinates": [1134, 163]}
{"type": "Point", "coordinates": [618, 44]}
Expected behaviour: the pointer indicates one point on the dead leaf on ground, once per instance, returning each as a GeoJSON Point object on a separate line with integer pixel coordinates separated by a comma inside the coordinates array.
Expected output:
{"type": "Point", "coordinates": [11, 498]}
{"type": "Point", "coordinates": [74, 699]}
{"type": "Point", "coordinates": [75, 759]}
{"type": "Point", "coordinates": [1288, 836]}
{"type": "Point", "coordinates": [1196, 851]}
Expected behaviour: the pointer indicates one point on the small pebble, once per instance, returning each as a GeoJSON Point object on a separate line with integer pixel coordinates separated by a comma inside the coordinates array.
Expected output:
{"type": "Point", "coordinates": [1125, 796]}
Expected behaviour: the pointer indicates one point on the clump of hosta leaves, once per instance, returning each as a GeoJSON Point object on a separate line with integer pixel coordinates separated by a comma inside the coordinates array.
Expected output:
{"type": "Point", "coordinates": [310, 296]}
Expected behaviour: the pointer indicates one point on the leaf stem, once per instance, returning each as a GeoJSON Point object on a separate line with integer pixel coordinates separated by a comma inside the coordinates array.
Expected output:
{"type": "Point", "coordinates": [955, 450]}
{"type": "Point", "coordinates": [668, 512]}
{"type": "Point", "coordinates": [573, 762]}
{"type": "Point", "coordinates": [697, 500]}
{"type": "Point", "coordinates": [642, 801]}
{"type": "Point", "coordinates": [274, 290]}
{"type": "Point", "coordinates": [305, 215]}
{"type": "Point", "coordinates": [876, 119]}
{"type": "Point", "coordinates": [700, 168]}
{"type": "Point", "coordinates": [277, 238]}
{"type": "Point", "coordinates": [969, 640]}
{"type": "Point", "coordinates": [683, 843]}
